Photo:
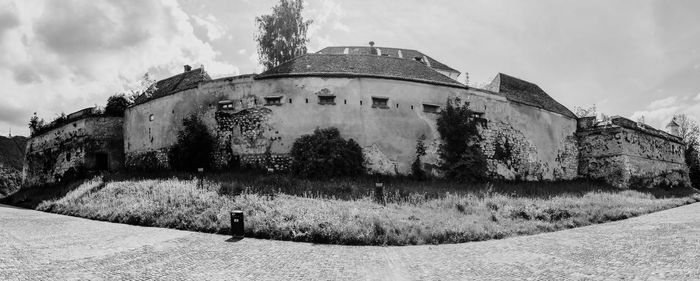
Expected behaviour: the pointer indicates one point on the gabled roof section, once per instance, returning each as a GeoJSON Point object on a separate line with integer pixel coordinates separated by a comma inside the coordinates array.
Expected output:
{"type": "Point", "coordinates": [528, 93]}
{"type": "Point", "coordinates": [180, 82]}
{"type": "Point", "coordinates": [334, 65]}
{"type": "Point", "coordinates": [392, 52]}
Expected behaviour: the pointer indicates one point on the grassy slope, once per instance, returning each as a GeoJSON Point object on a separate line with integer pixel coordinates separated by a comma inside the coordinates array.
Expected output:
{"type": "Point", "coordinates": [410, 217]}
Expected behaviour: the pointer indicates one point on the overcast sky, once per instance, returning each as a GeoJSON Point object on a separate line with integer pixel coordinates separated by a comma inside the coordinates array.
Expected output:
{"type": "Point", "coordinates": [629, 58]}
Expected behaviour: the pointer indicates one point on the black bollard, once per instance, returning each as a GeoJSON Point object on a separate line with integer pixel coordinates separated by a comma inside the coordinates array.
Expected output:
{"type": "Point", "coordinates": [200, 175]}
{"type": "Point", "coordinates": [237, 224]}
{"type": "Point", "coordinates": [379, 193]}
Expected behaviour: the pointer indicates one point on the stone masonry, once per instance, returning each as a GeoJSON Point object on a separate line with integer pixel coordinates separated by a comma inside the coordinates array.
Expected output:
{"type": "Point", "coordinates": [625, 153]}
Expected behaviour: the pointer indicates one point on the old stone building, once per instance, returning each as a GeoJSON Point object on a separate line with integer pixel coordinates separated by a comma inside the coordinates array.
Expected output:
{"type": "Point", "coordinates": [385, 102]}
{"type": "Point", "coordinates": [383, 98]}
{"type": "Point", "coordinates": [87, 140]}
{"type": "Point", "coordinates": [626, 153]}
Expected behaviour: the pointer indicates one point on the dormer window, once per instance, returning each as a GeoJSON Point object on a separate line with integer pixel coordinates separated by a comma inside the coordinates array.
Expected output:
{"type": "Point", "coordinates": [326, 100]}
{"type": "Point", "coordinates": [273, 100]}
{"type": "Point", "coordinates": [431, 108]}
{"type": "Point", "coordinates": [380, 102]}
{"type": "Point", "coordinates": [226, 105]}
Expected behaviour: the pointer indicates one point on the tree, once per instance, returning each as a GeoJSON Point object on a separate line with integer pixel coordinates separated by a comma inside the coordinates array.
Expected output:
{"type": "Point", "coordinates": [417, 166]}
{"type": "Point", "coordinates": [585, 112]}
{"type": "Point", "coordinates": [145, 86]}
{"type": "Point", "coordinates": [116, 105]}
{"type": "Point", "coordinates": [194, 147]}
{"type": "Point", "coordinates": [326, 154]}
{"type": "Point", "coordinates": [282, 34]}
{"type": "Point", "coordinates": [460, 150]}
{"type": "Point", "coordinates": [692, 159]}
{"type": "Point", "coordinates": [688, 129]}
{"type": "Point", "coordinates": [35, 124]}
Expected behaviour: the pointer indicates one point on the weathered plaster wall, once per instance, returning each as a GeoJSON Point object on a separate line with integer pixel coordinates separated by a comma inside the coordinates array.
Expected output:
{"type": "Point", "coordinates": [73, 147]}
{"type": "Point", "coordinates": [627, 155]}
{"type": "Point", "coordinates": [523, 142]}
{"type": "Point", "coordinates": [151, 128]}
{"type": "Point", "coordinates": [250, 132]}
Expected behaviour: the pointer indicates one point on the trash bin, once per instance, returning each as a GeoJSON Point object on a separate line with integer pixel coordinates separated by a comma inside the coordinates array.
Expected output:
{"type": "Point", "coordinates": [237, 223]}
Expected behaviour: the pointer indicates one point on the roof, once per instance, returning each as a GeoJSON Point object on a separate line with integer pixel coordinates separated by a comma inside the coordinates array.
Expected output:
{"type": "Point", "coordinates": [673, 123]}
{"type": "Point", "coordinates": [359, 65]}
{"type": "Point", "coordinates": [392, 52]}
{"type": "Point", "coordinates": [180, 82]}
{"type": "Point", "coordinates": [528, 93]}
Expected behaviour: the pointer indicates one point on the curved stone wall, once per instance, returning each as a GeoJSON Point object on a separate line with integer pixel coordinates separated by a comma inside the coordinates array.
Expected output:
{"type": "Point", "coordinates": [254, 118]}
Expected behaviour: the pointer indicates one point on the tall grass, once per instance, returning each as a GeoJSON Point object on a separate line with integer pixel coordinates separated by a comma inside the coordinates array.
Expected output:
{"type": "Point", "coordinates": [430, 215]}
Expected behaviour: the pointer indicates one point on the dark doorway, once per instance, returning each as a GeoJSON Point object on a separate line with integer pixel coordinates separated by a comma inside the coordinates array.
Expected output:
{"type": "Point", "coordinates": [101, 161]}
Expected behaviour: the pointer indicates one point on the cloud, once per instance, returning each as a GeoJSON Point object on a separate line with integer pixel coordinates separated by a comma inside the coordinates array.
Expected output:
{"type": "Point", "coordinates": [12, 115]}
{"type": "Point", "coordinates": [666, 102]}
{"type": "Point", "coordinates": [327, 20]}
{"type": "Point", "coordinates": [659, 112]}
{"type": "Point", "coordinates": [215, 30]}
{"type": "Point", "coordinates": [63, 56]}
{"type": "Point", "coordinates": [697, 98]}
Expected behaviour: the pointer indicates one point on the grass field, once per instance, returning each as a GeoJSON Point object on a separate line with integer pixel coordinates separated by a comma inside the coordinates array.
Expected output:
{"type": "Point", "coordinates": [343, 212]}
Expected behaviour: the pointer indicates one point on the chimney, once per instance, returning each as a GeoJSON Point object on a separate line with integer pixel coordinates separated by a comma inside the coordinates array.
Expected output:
{"type": "Point", "coordinates": [372, 49]}
{"type": "Point", "coordinates": [187, 68]}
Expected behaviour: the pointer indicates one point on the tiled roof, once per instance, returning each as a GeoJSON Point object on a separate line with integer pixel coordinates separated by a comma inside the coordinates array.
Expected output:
{"type": "Point", "coordinates": [180, 82]}
{"type": "Point", "coordinates": [359, 65]}
{"type": "Point", "coordinates": [528, 93]}
{"type": "Point", "coordinates": [392, 52]}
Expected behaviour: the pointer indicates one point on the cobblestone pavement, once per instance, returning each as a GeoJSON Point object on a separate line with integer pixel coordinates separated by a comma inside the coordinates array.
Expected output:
{"type": "Point", "coordinates": [42, 246]}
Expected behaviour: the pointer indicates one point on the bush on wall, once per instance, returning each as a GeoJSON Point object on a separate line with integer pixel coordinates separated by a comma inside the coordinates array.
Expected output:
{"type": "Point", "coordinates": [116, 105]}
{"type": "Point", "coordinates": [195, 146]}
{"type": "Point", "coordinates": [326, 154]}
{"type": "Point", "coordinates": [460, 150]}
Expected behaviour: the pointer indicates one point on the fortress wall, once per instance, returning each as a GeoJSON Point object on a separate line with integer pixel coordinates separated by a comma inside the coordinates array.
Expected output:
{"type": "Point", "coordinates": [628, 155]}
{"type": "Point", "coordinates": [73, 147]}
{"type": "Point", "coordinates": [388, 135]}
{"type": "Point", "coordinates": [249, 129]}
{"type": "Point", "coordinates": [523, 142]}
{"type": "Point", "coordinates": [151, 128]}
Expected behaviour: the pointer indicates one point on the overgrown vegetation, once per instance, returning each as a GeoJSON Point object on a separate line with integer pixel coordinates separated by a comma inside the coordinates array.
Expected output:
{"type": "Point", "coordinates": [444, 212]}
{"type": "Point", "coordinates": [116, 105]}
{"type": "Point", "coordinates": [195, 146]}
{"type": "Point", "coordinates": [325, 154]}
{"type": "Point", "coordinates": [460, 151]}
{"type": "Point", "coordinates": [689, 132]}
{"type": "Point", "coordinates": [417, 165]}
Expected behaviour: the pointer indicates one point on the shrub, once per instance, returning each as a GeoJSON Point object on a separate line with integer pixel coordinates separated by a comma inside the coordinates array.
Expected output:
{"type": "Point", "coordinates": [326, 154]}
{"type": "Point", "coordinates": [692, 158]}
{"type": "Point", "coordinates": [417, 166]}
{"type": "Point", "coordinates": [460, 150]}
{"type": "Point", "coordinates": [194, 147]}
{"type": "Point", "coordinates": [116, 105]}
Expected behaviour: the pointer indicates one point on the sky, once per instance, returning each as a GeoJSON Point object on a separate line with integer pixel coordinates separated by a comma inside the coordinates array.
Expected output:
{"type": "Point", "coordinates": [631, 58]}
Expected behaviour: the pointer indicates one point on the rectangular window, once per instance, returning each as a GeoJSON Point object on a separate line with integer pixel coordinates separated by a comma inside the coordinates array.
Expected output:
{"type": "Point", "coordinates": [226, 104]}
{"type": "Point", "coordinates": [326, 100]}
{"type": "Point", "coordinates": [431, 108]}
{"type": "Point", "coordinates": [380, 102]}
{"type": "Point", "coordinates": [273, 100]}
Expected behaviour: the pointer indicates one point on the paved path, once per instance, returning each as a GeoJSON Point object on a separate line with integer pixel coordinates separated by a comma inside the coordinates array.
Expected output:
{"type": "Point", "coordinates": [42, 246]}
